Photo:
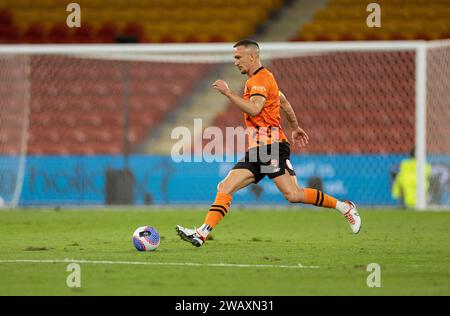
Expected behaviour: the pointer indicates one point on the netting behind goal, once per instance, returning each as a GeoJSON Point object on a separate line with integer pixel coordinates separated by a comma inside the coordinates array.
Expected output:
{"type": "Point", "coordinates": [438, 123]}
{"type": "Point", "coordinates": [14, 114]}
{"type": "Point", "coordinates": [358, 108]}
{"type": "Point", "coordinates": [84, 119]}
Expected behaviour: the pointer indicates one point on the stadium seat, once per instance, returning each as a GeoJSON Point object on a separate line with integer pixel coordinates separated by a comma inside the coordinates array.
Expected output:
{"type": "Point", "coordinates": [5, 17]}
{"type": "Point", "coordinates": [35, 33]}
{"type": "Point", "coordinates": [9, 34]}
{"type": "Point", "coordinates": [134, 29]}
{"type": "Point", "coordinates": [163, 17]}
{"type": "Point", "coordinates": [107, 33]}
{"type": "Point", "coordinates": [84, 34]}
{"type": "Point", "coordinates": [397, 22]}
{"type": "Point", "coordinates": [58, 33]}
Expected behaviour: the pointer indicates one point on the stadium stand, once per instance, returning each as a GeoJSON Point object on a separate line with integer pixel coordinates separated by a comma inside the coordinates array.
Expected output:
{"type": "Point", "coordinates": [344, 20]}
{"type": "Point", "coordinates": [28, 21]}
{"type": "Point", "coordinates": [72, 111]}
{"type": "Point", "coordinates": [337, 105]}
{"type": "Point", "coordinates": [322, 101]}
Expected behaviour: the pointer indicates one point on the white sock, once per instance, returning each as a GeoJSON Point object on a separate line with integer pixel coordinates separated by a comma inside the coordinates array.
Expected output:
{"type": "Point", "coordinates": [342, 207]}
{"type": "Point", "coordinates": [204, 230]}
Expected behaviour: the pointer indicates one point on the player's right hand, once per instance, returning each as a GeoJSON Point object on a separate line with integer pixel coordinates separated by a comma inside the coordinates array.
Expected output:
{"type": "Point", "coordinates": [300, 137]}
{"type": "Point", "coordinates": [221, 86]}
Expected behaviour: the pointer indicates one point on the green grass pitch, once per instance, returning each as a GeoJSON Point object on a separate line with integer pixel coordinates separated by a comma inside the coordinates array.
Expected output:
{"type": "Point", "coordinates": [262, 248]}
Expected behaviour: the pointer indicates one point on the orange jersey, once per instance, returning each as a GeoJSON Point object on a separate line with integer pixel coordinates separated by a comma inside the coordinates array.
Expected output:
{"type": "Point", "coordinates": [264, 128]}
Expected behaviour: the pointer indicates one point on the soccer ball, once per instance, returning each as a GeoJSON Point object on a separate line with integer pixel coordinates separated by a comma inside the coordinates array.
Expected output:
{"type": "Point", "coordinates": [146, 238]}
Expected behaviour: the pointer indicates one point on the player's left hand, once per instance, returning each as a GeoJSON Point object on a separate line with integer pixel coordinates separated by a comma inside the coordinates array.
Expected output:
{"type": "Point", "coordinates": [300, 137]}
{"type": "Point", "coordinates": [221, 86]}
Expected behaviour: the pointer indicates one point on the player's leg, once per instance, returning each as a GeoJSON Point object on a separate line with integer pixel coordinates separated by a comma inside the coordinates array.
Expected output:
{"type": "Point", "coordinates": [288, 186]}
{"type": "Point", "coordinates": [234, 181]}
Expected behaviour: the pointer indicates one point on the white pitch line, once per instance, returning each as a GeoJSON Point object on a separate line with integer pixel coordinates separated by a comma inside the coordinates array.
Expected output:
{"type": "Point", "coordinates": [228, 265]}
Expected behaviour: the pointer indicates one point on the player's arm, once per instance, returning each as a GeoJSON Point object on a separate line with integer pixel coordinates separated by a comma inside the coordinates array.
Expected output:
{"type": "Point", "coordinates": [252, 107]}
{"type": "Point", "coordinates": [288, 111]}
{"type": "Point", "coordinates": [299, 136]}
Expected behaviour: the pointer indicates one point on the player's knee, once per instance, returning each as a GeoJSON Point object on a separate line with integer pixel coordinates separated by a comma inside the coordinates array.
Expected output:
{"type": "Point", "coordinates": [295, 196]}
{"type": "Point", "coordinates": [220, 187]}
{"type": "Point", "coordinates": [223, 187]}
{"type": "Point", "coordinates": [291, 196]}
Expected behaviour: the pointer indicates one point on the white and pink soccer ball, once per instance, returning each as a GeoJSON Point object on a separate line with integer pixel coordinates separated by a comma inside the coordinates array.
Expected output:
{"type": "Point", "coordinates": [146, 238]}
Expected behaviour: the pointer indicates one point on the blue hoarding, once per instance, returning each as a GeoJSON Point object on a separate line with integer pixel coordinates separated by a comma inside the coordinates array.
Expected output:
{"type": "Point", "coordinates": [80, 180]}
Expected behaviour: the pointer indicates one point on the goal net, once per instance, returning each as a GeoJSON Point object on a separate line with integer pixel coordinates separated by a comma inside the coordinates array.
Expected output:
{"type": "Point", "coordinates": [438, 122]}
{"type": "Point", "coordinates": [14, 116]}
{"type": "Point", "coordinates": [94, 125]}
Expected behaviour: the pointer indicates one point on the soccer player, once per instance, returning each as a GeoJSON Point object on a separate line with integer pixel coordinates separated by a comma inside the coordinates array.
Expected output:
{"type": "Point", "coordinates": [261, 105]}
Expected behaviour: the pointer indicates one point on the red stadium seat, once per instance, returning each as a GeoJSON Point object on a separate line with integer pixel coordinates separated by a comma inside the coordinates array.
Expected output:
{"type": "Point", "coordinates": [107, 33]}
{"type": "Point", "coordinates": [58, 34]}
{"type": "Point", "coordinates": [35, 33]}
{"type": "Point", "coordinates": [5, 18]}
{"type": "Point", "coordinates": [134, 29]}
{"type": "Point", "coordinates": [9, 34]}
{"type": "Point", "coordinates": [84, 34]}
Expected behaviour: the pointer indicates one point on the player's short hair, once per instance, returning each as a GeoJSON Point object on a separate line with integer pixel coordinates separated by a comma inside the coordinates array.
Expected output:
{"type": "Point", "coordinates": [246, 43]}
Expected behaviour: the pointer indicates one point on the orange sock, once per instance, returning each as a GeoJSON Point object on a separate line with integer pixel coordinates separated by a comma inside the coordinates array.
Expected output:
{"type": "Point", "coordinates": [318, 198]}
{"type": "Point", "coordinates": [218, 209]}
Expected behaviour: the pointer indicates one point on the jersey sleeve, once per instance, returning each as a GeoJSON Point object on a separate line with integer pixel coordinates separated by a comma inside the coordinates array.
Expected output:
{"type": "Point", "coordinates": [259, 86]}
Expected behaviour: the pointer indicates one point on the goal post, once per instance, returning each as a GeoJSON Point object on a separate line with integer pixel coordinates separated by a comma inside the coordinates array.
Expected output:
{"type": "Point", "coordinates": [420, 116]}
{"type": "Point", "coordinates": [367, 105]}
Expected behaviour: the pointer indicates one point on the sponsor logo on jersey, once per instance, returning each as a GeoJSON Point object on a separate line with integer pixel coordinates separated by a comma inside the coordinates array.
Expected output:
{"type": "Point", "coordinates": [259, 88]}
